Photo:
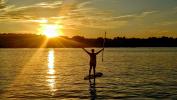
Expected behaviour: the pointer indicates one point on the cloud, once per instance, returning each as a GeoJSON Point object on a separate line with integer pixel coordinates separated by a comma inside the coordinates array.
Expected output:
{"type": "Point", "coordinates": [125, 17]}
{"type": "Point", "coordinates": [146, 13]}
{"type": "Point", "coordinates": [46, 9]}
{"type": "Point", "coordinates": [167, 23]}
{"type": "Point", "coordinates": [43, 9]}
{"type": "Point", "coordinates": [48, 4]}
{"type": "Point", "coordinates": [74, 14]}
{"type": "Point", "coordinates": [2, 1]}
{"type": "Point", "coordinates": [71, 12]}
{"type": "Point", "coordinates": [2, 4]}
{"type": "Point", "coordinates": [82, 5]}
{"type": "Point", "coordinates": [134, 16]}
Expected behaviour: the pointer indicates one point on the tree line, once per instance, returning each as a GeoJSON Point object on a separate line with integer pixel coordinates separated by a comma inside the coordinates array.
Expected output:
{"type": "Point", "coordinates": [36, 41]}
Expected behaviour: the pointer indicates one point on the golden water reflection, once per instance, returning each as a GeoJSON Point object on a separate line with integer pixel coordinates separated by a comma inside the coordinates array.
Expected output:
{"type": "Point", "coordinates": [51, 72]}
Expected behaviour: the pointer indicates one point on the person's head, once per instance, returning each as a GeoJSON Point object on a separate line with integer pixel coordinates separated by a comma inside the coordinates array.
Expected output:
{"type": "Point", "coordinates": [93, 50]}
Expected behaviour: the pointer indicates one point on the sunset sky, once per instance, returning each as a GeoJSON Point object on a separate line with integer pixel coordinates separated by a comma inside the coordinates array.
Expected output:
{"type": "Point", "coordinates": [91, 18]}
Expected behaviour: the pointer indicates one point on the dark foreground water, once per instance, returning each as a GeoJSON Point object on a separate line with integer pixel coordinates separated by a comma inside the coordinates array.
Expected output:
{"type": "Point", "coordinates": [50, 74]}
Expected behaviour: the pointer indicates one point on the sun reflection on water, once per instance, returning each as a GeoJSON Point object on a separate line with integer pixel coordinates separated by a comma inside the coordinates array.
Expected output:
{"type": "Point", "coordinates": [51, 72]}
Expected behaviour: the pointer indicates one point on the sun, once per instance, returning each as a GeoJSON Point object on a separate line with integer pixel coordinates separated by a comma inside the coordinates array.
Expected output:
{"type": "Point", "coordinates": [51, 30]}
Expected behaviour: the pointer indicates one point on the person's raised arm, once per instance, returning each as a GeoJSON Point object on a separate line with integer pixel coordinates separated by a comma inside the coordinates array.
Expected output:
{"type": "Point", "coordinates": [100, 51]}
{"type": "Point", "coordinates": [86, 50]}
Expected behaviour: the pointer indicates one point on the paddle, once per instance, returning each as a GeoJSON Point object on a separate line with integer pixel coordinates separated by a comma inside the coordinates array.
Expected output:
{"type": "Point", "coordinates": [103, 46]}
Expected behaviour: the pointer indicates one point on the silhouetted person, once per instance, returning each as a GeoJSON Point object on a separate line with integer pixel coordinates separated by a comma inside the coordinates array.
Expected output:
{"type": "Point", "coordinates": [92, 55]}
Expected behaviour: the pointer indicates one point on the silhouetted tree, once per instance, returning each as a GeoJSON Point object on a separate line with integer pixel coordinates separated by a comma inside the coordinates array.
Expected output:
{"type": "Point", "coordinates": [11, 40]}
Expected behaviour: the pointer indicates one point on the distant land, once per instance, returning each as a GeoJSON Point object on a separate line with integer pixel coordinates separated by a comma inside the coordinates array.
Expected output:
{"type": "Point", "coordinates": [10, 40]}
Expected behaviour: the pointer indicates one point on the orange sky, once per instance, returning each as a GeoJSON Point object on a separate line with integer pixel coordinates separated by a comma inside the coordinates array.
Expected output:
{"type": "Point", "coordinates": [91, 18]}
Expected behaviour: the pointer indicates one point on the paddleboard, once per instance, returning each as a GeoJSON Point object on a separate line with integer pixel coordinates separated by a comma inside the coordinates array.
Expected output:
{"type": "Point", "coordinates": [97, 74]}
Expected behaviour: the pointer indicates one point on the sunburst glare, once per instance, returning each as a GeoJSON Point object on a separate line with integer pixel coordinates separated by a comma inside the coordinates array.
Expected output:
{"type": "Point", "coordinates": [51, 30]}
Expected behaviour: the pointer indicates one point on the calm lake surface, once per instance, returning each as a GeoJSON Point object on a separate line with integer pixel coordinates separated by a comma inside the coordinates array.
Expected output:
{"type": "Point", "coordinates": [50, 74]}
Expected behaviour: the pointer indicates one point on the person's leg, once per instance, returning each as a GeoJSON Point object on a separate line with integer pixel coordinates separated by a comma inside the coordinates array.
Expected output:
{"type": "Point", "coordinates": [90, 70]}
{"type": "Point", "coordinates": [94, 70]}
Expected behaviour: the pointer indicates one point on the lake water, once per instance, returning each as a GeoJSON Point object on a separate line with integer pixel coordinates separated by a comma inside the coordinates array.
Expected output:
{"type": "Point", "coordinates": [50, 74]}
